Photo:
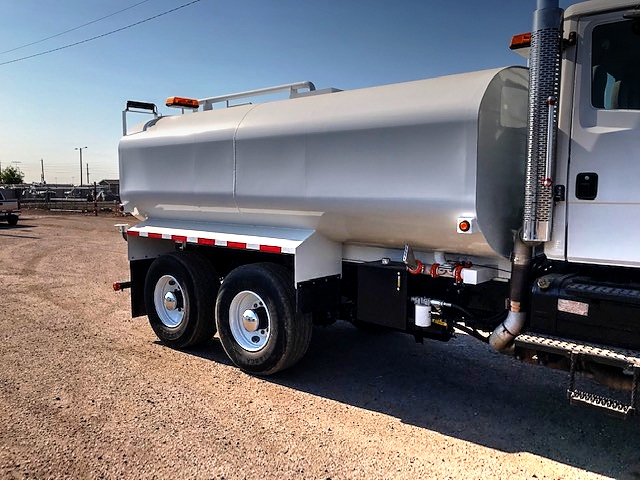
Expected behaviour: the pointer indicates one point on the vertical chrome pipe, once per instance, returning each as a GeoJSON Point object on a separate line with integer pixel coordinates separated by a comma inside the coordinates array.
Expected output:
{"type": "Point", "coordinates": [544, 87]}
{"type": "Point", "coordinates": [544, 83]}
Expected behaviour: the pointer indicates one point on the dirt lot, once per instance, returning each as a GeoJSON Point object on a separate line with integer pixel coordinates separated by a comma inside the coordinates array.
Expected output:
{"type": "Point", "coordinates": [88, 392]}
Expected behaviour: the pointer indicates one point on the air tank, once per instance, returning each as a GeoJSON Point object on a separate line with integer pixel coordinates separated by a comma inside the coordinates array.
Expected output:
{"type": "Point", "coordinates": [380, 166]}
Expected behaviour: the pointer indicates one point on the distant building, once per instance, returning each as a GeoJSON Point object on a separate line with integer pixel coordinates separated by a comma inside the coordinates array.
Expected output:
{"type": "Point", "coordinates": [112, 186]}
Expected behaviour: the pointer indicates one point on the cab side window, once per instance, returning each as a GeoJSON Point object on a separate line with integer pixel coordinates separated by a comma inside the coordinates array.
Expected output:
{"type": "Point", "coordinates": [615, 66]}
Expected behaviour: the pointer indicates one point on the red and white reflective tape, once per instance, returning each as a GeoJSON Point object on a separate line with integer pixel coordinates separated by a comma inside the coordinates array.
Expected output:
{"type": "Point", "coordinates": [210, 241]}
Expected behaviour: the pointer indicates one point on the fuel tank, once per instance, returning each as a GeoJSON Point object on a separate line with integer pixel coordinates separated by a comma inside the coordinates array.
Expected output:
{"type": "Point", "coordinates": [380, 166]}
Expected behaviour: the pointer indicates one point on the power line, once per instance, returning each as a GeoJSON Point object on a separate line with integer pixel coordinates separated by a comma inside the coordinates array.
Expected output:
{"type": "Point", "coordinates": [99, 36]}
{"type": "Point", "coordinates": [73, 29]}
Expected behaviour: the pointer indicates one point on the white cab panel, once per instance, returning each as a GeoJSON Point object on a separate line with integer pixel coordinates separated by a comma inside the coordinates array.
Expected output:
{"type": "Point", "coordinates": [606, 142]}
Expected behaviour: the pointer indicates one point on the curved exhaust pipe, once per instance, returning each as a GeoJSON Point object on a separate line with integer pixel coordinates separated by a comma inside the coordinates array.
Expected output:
{"type": "Point", "coordinates": [502, 337]}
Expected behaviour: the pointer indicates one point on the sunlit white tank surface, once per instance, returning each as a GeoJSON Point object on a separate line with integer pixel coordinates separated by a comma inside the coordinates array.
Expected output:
{"type": "Point", "coordinates": [381, 166]}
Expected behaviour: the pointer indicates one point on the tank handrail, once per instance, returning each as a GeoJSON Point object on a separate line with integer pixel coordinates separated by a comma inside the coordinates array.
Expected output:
{"type": "Point", "coordinates": [293, 88]}
{"type": "Point", "coordinates": [138, 107]}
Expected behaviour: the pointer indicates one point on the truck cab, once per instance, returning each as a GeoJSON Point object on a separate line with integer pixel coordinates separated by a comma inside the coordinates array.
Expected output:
{"type": "Point", "coordinates": [598, 137]}
{"type": "Point", "coordinates": [584, 311]}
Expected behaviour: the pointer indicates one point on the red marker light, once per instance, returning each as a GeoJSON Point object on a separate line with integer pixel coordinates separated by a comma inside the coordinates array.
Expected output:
{"type": "Point", "coordinates": [464, 226]}
{"type": "Point", "coordinates": [119, 286]}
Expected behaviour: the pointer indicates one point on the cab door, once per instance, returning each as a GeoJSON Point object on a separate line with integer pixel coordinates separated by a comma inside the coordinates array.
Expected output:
{"type": "Point", "coordinates": [603, 191]}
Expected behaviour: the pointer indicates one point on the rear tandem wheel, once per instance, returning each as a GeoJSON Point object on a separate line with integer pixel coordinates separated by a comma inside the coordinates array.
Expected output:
{"type": "Point", "coordinates": [179, 294]}
{"type": "Point", "coordinates": [257, 321]}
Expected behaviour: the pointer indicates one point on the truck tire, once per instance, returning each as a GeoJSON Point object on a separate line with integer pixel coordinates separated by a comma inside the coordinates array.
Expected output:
{"type": "Point", "coordinates": [12, 220]}
{"type": "Point", "coordinates": [179, 294]}
{"type": "Point", "coordinates": [257, 321]}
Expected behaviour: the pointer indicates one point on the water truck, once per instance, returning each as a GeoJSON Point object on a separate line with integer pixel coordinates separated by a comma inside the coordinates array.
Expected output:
{"type": "Point", "coordinates": [499, 203]}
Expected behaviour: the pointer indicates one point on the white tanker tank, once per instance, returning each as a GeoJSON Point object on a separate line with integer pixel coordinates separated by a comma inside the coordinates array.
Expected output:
{"type": "Point", "coordinates": [378, 166]}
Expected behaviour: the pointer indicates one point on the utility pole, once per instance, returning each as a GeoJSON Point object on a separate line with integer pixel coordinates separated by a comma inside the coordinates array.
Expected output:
{"type": "Point", "coordinates": [80, 149]}
{"type": "Point", "coordinates": [42, 174]}
{"type": "Point", "coordinates": [88, 182]}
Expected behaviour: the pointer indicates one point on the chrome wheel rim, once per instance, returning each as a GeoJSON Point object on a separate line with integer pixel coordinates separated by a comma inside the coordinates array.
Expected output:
{"type": "Point", "coordinates": [249, 321]}
{"type": "Point", "coordinates": [170, 300]}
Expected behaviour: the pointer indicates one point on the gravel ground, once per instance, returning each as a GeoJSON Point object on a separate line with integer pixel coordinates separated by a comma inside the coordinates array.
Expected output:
{"type": "Point", "coordinates": [88, 392]}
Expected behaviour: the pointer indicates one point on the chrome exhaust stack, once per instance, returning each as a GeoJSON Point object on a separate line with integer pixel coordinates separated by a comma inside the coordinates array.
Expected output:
{"type": "Point", "coordinates": [544, 88]}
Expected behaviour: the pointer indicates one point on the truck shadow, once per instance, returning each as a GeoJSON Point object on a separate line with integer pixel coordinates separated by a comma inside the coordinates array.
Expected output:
{"type": "Point", "coordinates": [465, 390]}
{"type": "Point", "coordinates": [16, 231]}
{"type": "Point", "coordinates": [211, 350]}
{"type": "Point", "coordinates": [462, 389]}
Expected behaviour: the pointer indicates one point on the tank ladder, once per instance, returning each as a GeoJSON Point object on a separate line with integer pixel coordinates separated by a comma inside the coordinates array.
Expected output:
{"type": "Point", "coordinates": [627, 360]}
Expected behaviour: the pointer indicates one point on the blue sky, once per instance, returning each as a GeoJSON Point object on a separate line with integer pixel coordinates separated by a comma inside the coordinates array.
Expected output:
{"type": "Point", "coordinates": [71, 98]}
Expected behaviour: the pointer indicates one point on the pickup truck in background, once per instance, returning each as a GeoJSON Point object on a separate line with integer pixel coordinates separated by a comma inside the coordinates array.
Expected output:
{"type": "Point", "coordinates": [9, 207]}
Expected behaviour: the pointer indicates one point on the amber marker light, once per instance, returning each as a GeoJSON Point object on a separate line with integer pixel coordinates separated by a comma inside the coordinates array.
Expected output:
{"type": "Point", "coordinates": [520, 41]}
{"type": "Point", "coordinates": [464, 226]}
{"type": "Point", "coordinates": [180, 102]}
